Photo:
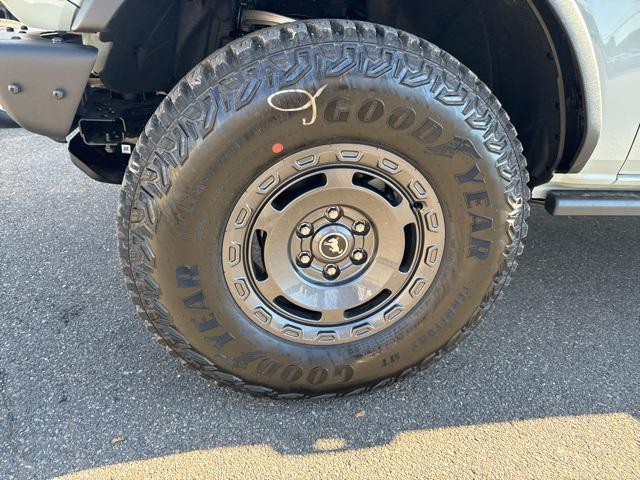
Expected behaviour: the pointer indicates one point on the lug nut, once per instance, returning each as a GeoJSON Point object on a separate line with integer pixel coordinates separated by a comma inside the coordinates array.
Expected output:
{"type": "Point", "coordinates": [333, 213]}
{"type": "Point", "coordinates": [305, 259]}
{"type": "Point", "coordinates": [358, 256]}
{"type": "Point", "coordinates": [360, 227]}
{"type": "Point", "coordinates": [331, 271]}
{"type": "Point", "coordinates": [305, 230]}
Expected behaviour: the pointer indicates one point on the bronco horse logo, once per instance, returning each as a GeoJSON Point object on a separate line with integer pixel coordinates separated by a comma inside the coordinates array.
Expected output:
{"type": "Point", "coordinates": [333, 245]}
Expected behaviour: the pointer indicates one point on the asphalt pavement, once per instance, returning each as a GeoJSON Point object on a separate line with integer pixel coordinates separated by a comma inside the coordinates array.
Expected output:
{"type": "Point", "coordinates": [548, 385]}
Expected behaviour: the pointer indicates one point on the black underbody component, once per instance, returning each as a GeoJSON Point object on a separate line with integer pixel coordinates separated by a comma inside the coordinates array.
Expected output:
{"type": "Point", "coordinates": [6, 121]}
{"type": "Point", "coordinates": [99, 163]}
{"type": "Point", "coordinates": [108, 118]}
{"type": "Point", "coordinates": [106, 123]}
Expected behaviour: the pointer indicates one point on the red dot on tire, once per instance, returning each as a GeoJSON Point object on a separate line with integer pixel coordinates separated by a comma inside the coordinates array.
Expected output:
{"type": "Point", "coordinates": [277, 148]}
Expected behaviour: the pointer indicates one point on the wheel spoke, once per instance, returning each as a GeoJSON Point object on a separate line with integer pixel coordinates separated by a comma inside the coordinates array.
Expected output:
{"type": "Point", "coordinates": [404, 213]}
{"type": "Point", "coordinates": [269, 289]}
{"type": "Point", "coordinates": [339, 178]}
{"type": "Point", "coordinates": [396, 281]}
{"type": "Point", "coordinates": [333, 317]}
{"type": "Point", "coordinates": [267, 219]}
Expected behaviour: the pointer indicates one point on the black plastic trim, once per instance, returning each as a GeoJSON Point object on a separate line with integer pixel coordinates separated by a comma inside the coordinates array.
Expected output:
{"type": "Point", "coordinates": [6, 121]}
{"type": "Point", "coordinates": [96, 162]}
{"type": "Point", "coordinates": [94, 15]}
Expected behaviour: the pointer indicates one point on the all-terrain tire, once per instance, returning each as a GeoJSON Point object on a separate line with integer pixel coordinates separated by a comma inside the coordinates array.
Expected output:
{"type": "Point", "coordinates": [216, 132]}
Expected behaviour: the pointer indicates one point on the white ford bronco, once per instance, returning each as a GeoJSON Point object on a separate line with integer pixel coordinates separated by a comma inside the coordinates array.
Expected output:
{"type": "Point", "coordinates": [322, 197]}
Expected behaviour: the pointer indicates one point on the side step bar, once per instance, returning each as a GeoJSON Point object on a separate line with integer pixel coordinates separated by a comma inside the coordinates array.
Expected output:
{"type": "Point", "coordinates": [593, 203]}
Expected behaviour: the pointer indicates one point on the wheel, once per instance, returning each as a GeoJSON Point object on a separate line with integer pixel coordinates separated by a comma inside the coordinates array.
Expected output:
{"type": "Point", "coordinates": [321, 208]}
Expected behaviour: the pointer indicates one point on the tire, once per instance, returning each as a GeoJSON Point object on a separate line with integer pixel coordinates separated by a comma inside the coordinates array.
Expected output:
{"type": "Point", "coordinates": [208, 146]}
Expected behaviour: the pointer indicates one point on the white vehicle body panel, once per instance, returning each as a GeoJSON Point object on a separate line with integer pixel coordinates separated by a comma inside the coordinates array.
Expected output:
{"type": "Point", "coordinates": [614, 35]}
{"type": "Point", "coordinates": [632, 165]}
{"type": "Point", "coordinates": [44, 14]}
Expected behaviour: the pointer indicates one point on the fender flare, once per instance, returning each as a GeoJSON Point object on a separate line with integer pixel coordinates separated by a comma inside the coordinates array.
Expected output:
{"type": "Point", "coordinates": [94, 15]}
{"type": "Point", "coordinates": [574, 21]}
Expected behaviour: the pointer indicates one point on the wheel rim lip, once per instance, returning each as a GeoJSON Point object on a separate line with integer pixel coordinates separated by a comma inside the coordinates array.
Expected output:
{"type": "Point", "coordinates": [237, 264]}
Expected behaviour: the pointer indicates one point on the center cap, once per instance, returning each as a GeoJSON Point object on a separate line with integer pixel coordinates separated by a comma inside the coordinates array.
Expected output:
{"type": "Point", "coordinates": [333, 245]}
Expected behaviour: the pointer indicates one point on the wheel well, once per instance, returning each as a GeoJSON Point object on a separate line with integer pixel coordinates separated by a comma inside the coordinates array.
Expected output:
{"type": "Point", "coordinates": [517, 47]}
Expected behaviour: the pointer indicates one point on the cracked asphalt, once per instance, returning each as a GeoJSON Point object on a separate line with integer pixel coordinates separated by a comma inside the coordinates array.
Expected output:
{"type": "Point", "coordinates": [548, 386]}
